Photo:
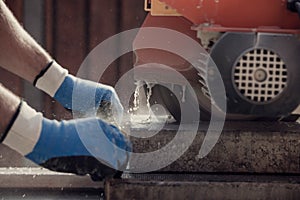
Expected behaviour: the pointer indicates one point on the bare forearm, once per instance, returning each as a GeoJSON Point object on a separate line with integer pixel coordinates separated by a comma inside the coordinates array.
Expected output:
{"type": "Point", "coordinates": [8, 106]}
{"type": "Point", "coordinates": [19, 53]}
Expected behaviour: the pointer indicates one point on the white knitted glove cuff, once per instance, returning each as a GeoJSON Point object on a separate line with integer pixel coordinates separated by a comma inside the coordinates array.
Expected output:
{"type": "Point", "coordinates": [25, 131]}
{"type": "Point", "coordinates": [52, 79]}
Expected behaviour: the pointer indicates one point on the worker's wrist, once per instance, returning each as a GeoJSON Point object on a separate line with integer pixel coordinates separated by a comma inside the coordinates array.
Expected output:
{"type": "Point", "coordinates": [50, 78]}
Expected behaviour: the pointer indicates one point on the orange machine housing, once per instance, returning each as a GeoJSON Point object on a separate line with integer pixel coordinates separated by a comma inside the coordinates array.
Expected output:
{"type": "Point", "coordinates": [233, 14]}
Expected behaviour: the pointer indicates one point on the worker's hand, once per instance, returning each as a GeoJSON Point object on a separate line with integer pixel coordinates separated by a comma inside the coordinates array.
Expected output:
{"type": "Point", "coordinates": [78, 94]}
{"type": "Point", "coordinates": [81, 146]}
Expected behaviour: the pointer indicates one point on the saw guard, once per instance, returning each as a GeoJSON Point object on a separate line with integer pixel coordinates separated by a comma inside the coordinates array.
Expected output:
{"type": "Point", "coordinates": [144, 56]}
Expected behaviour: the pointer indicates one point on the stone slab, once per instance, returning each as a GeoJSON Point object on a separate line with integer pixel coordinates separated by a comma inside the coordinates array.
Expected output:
{"type": "Point", "coordinates": [243, 147]}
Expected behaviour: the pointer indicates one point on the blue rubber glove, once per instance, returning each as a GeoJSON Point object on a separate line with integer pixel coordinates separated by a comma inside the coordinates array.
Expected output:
{"type": "Point", "coordinates": [80, 146]}
{"type": "Point", "coordinates": [77, 94]}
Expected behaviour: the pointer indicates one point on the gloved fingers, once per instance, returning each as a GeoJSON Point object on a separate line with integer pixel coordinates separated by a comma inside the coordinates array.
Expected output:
{"type": "Point", "coordinates": [117, 110]}
{"type": "Point", "coordinates": [81, 165]}
{"type": "Point", "coordinates": [104, 95]}
{"type": "Point", "coordinates": [104, 142]}
{"type": "Point", "coordinates": [121, 152]}
{"type": "Point", "coordinates": [115, 136]}
{"type": "Point", "coordinates": [105, 111]}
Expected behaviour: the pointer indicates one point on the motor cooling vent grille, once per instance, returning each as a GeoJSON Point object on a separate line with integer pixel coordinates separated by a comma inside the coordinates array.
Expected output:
{"type": "Point", "coordinates": [260, 75]}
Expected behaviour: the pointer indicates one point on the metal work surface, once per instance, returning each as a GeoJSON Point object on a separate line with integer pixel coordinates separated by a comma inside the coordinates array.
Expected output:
{"type": "Point", "coordinates": [36, 183]}
{"type": "Point", "coordinates": [39, 194]}
{"type": "Point", "coordinates": [41, 178]}
{"type": "Point", "coordinates": [203, 186]}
